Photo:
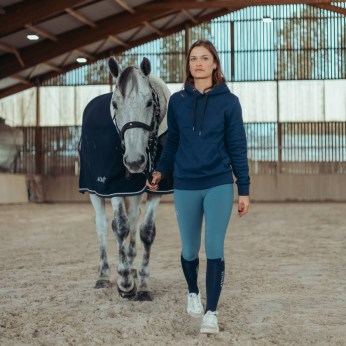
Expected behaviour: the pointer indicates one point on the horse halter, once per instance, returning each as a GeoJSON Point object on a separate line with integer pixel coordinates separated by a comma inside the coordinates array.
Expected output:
{"type": "Point", "coordinates": [153, 137]}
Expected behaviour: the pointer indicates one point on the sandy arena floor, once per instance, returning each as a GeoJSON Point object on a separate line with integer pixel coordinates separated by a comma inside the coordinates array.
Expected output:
{"type": "Point", "coordinates": [284, 285]}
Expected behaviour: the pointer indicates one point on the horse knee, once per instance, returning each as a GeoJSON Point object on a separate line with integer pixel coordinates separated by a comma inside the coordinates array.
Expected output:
{"type": "Point", "coordinates": [147, 234]}
{"type": "Point", "coordinates": [101, 219]}
{"type": "Point", "coordinates": [121, 225]}
{"type": "Point", "coordinates": [121, 231]}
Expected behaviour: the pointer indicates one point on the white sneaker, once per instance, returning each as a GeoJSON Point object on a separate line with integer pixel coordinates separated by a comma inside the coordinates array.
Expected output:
{"type": "Point", "coordinates": [194, 305]}
{"type": "Point", "coordinates": [209, 324]}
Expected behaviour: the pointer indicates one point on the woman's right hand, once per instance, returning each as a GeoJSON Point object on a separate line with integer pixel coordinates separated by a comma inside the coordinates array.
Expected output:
{"type": "Point", "coordinates": [157, 176]}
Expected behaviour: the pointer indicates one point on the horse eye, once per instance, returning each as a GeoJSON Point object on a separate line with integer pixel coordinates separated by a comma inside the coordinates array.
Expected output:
{"type": "Point", "coordinates": [150, 103]}
{"type": "Point", "coordinates": [114, 105]}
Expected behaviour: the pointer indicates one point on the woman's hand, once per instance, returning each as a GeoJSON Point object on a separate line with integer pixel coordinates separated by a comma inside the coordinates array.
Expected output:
{"type": "Point", "coordinates": [243, 205]}
{"type": "Point", "coordinates": [157, 176]}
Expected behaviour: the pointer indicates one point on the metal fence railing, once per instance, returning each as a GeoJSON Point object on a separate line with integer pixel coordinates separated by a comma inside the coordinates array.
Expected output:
{"type": "Point", "coordinates": [286, 148]}
{"type": "Point", "coordinates": [300, 42]}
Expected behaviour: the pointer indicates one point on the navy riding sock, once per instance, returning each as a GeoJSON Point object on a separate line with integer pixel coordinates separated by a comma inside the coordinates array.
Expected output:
{"type": "Point", "coordinates": [214, 282]}
{"type": "Point", "coordinates": [190, 269]}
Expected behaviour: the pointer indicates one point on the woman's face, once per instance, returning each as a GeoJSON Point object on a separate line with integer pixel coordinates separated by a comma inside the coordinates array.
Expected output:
{"type": "Point", "coordinates": [201, 63]}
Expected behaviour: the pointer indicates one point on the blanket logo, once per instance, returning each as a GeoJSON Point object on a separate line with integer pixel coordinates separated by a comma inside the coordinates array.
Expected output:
{"type": "Point", "coordinates": [101, 180]}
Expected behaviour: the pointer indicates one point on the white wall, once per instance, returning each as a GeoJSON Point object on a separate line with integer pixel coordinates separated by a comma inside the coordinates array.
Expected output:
{"type": "Point", "coordinates": [299, 101]}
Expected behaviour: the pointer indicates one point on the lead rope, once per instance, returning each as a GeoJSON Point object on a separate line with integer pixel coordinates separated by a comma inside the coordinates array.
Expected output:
{"type": "Point", "coordinates": [152, 143]}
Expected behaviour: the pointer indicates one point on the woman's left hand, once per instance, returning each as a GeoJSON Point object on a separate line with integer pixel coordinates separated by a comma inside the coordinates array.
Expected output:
{"type": "Point", "coordinates": [243, 205]}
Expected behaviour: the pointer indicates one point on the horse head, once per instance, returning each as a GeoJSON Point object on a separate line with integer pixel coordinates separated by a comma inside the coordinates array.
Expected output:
{"type": "Point", "coordinates": [132, 109]}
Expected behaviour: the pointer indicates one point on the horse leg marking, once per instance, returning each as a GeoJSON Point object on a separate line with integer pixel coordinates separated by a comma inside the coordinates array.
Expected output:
{"type": "Point", "coordinates": [147, 235]}
{"type": "Point", "coordinates": [134, 213]}
{"type": "Point", "coordinates": [121, 229]}
{"type": "Point", "coordinates": [101, 222]}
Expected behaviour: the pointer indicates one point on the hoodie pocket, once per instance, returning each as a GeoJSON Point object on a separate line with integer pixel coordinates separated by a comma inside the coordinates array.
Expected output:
{"type": "Point", "coordinates": [224, 155]}
{"type": "Point", "coordinates": [197, 160]}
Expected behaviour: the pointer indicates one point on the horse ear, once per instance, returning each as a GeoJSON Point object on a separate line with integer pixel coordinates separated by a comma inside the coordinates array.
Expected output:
{"type": "Point", "coordinates": [146, 66]}
{"type": "Point", "coordinates": [114, 67]}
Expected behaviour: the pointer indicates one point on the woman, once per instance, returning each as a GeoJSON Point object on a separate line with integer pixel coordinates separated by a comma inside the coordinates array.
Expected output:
{"type": "Point", "coordinates": [205, 138]}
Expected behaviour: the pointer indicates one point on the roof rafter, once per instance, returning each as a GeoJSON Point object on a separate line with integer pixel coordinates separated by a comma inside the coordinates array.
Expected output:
{"type": "Point", "coordinates": [188, 15]}
{"type": "Point", "coordinates": [170, 21]}
{"type": "Point", "coordinates": [118, 50]}
{"type": "Point", "coordinates": [12, 50]}
{"type": "Point", "coordinates": [77, 38]}
{"type": "Point", "coordinates": [118, 41]}
{"type": "Point", "coordinates": [152, 28]}
{"type": "Point", "coordinates": [332, 8]}
{"type": "Point", "coordinates": [41, 32]}
{"type": "Point", "coordinates": [85, 54]}
{"type": "Point", "coordinates": [52, 67]}
{"type": "Point", "coordinates": [33, 72]}
{"type": "Point", "coordinates": [80, 17]}
{"type": "Point", "coordinates": [25, 12]}
{"type": "Point", "coordinates": [124, 5]}
{"type": "Point", "coordinates": [21, 80]}
{"type": "Point", "coordinates": [236, 4]}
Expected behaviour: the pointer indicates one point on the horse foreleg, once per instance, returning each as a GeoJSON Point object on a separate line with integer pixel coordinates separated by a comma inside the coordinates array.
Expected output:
{"type": "Point", "coordinates": [134, 212]}
{"type": "Point", "coordinates": [121, 229]}
{"type": "Point", "coordinates": [147, 235]}
{"type": "Point", "coordinates": [101, 222]}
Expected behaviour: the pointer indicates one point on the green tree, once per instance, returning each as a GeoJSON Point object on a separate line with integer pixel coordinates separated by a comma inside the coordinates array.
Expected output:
{"type": "Point", "coordinates": [305, 49]}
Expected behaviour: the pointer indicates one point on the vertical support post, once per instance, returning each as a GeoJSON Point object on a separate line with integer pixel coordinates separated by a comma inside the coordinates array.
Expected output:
{"type": "Point", "coordinates": [278, 168]}
{"type": "Point", "coordinates": [187, 40]}
{"type": "Point", "coordinates": [111, 82]}
{"type": "Point", "coordinates": [38, 132]}
{"type": "Point", "coordinates": [232, 51]}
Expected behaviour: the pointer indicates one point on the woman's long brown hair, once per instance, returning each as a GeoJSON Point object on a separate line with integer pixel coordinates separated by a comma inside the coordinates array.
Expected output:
{"type": "Point", "coordinates": [217, 76]}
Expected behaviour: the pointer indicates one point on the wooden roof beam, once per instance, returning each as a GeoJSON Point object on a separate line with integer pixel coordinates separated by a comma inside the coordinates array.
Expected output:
{"type": "Point", "coordinates": [124, 5]}
{"type": "Point", "coordinates": [85, 54]}
{"type": "Point", "coordinates": [332, 8]}
{"type": "Point", "coordinates": [171, 20]}
{"type": "Point", "coordinates": [41, 32]}
{"type": "Point", "coordinates": [80, 17]}
{"type": "Point", "coordinates": [188, 15]}
{"type": "Point", "coordinates": [33, 71]}
{"type": "Point", "coordinates": [52, 67]}
{"type": "Point", "coordinates": [19, 79]}
{"type": "Point", "coordinates": [25, 12]}
{"type": "Point", "coordinates": [66, 58]}
{"type": "Point", "coordinates": [12, 50]}
{"type": "Point", "coordinates": [118, 41]}
{"type": "Point", "coordinates": [77, 38]}
{"type": "Point", "coordinates": [152, 28]}
{"type": "Point", "coordinates": [19, 87]}
{"type": "Point", "coordinates": [140, 28]}
{"type": "Point", "coordinates": [232, 4]}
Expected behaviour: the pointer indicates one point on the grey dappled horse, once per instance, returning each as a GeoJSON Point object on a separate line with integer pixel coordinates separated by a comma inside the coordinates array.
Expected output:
{"type": "Point", "coordinates": [131, 101]}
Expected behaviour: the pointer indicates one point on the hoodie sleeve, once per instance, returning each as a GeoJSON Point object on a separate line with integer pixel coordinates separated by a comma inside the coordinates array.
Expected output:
{"type": "Point", "coordinates": [235, 141]}
{"type": "Point", "coordinates": [166, 161]}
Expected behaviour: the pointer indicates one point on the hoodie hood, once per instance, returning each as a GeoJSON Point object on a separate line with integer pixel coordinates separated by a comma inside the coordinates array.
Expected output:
{"type": "Point", "coordinates": [218, 89]}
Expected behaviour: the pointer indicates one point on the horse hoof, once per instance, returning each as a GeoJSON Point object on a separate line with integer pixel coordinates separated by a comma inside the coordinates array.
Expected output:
{"type": "Point", "coordinates": [102, 283]}
{"type": "Point", "coordinates": [143, 296]}
{"type": "Point", "coordinates": [128, 295]}
{"type": "Point", "coordinates": [134, 273]}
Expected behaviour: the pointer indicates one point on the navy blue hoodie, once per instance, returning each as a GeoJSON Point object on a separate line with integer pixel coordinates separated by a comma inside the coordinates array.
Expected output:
{"type": "Point", "coordinates": [205, 140]}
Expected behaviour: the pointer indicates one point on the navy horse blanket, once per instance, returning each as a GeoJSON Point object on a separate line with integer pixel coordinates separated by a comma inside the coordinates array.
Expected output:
{"type": "Point", "coordinates": [102, 171]}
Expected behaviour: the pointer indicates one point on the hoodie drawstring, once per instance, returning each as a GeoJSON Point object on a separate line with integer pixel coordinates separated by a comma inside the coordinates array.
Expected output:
{"type": "Point", "coordinates": [195, 108]}
{"type": "Point", "coordinates": [203, 110]}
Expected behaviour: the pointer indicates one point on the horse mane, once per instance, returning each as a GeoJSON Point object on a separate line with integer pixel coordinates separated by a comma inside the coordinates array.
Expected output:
{"type": "Point", "coordinates": [126, 75]}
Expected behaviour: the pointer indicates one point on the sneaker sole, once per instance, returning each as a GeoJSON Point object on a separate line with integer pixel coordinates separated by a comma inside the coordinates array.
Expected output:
{"type": "Point", "coordinates": [196, 314]}
{"type": "Point", "coordinates": [206, 330]}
